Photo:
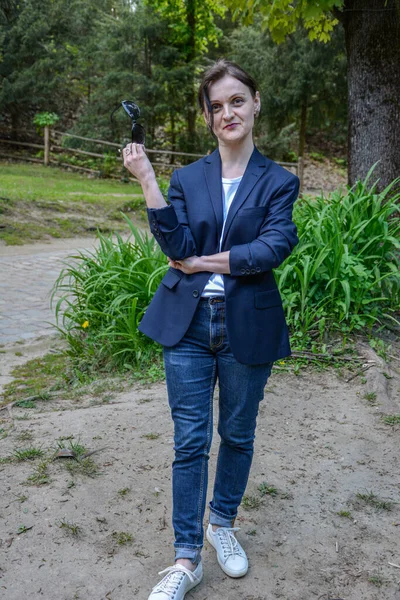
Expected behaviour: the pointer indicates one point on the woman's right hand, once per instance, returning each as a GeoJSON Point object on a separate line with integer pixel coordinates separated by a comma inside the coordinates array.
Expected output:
{"type": "Point", "coordinates": [137, 163]}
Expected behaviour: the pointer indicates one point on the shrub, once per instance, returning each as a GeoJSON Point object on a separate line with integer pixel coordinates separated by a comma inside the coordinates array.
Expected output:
{"type": "Point", "coordinates": [104, 294]}
{"type": "Point", "coordinates": [344, 273]}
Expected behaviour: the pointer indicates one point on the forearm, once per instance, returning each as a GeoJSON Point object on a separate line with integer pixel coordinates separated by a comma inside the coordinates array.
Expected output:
{"type": "Point", "coordinates": [215, 263]}
{"type": "Point", "coordinates": [152, 194]}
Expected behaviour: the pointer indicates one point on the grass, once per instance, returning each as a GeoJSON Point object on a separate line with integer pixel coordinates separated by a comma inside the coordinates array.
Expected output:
{"type": "Point", "coordinates": [124, 491]}
{"type": "Point", "coordinates": [24, 454]}
{"type": "Point", "coordinates": [251, 502]}
{"type": "Point", "coordinates": [70, 528]}
{"type": "Point", "coordinates": [77, 449]}
{"type": "Point", "coordinates": [38, 202]}
{"type": "Point", "coordinates": [40, 476]}
{"type": "Point", "coordinates": [79, 463]}
{"type": "Point", "coordinates": [36, 378]}
{"type": "Point", "coordinates": [122, 538]}
{"type": "Point", "coordinates": [86, 467]}
{"type": "Point", "coordinates": [21, 499]}
{"type": "Point", "coordinates": [25, 436]}
{"type": "Point", "coordinates": [59, 375]}
{"type": "Point", "coordinates": [151, 436]}
{"type": "Point", "coordinates": [267, 490]}
{"type": "Point", "coordinates": [377, 580]}
{"type": "Point", "coordinates": [346, 514]}
{"type": "Point", "coordinates": [373, 500]}
{"type": "Point", "coordinates": [23, 529]}
{"type": "Point", "coordinates": [391, 419]}
{"type": "Point", "coordinates": [370, 397]}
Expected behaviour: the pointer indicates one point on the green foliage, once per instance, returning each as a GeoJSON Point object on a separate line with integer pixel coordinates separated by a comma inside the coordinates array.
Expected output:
{"type": "Point", "coordinates": [183, 15]}
{"type": "Point", "coordinates": [281, 17]}
{"type": "Point", "coordinates": [104, 295]}
{"type": "Point", "coordinates": [344, 274]}
{"type": "Point", "coordinates": [45, 118]}
{"type": "Point", "coordinates": [295, 74]}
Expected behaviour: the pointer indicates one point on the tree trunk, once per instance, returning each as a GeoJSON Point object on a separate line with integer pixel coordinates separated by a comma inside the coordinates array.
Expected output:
{"type": "Point", "coordinates": [372, 33]}
{"type": "Point", "coordinates": [191, 55]}
{"type": "Point", "coordinates": [14, 126]}
{"type": "Point", "coordinates": [303, 127]}
{"type": "Point", "coordinates": [173, 135]}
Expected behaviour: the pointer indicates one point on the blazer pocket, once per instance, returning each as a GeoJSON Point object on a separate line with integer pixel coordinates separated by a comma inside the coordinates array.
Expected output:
{"type": "Point", "coordinates": [267, 299]}
{"type": "Point", "coordinates": [170, 279]}
{"type": "Point", "coordinates": [254, 211]}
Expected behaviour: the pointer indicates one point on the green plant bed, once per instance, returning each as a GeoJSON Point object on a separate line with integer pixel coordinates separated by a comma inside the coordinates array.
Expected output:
{"type": "Point", "coordinates": [345, 272]}
{"type": "Point", "coordinates": [104, 294]}
{"type": "Point", "coordinates": [342, 277]}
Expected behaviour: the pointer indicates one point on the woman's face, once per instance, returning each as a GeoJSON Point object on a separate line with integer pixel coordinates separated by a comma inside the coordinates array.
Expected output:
{"type": "Point", "coordinates": [233, 108]}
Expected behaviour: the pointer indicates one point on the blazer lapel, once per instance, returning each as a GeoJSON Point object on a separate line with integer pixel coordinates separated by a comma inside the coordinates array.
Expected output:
{"type": "Point", "coordinates": [255, 168]}
{"type": "Point", "coordinates": [212, 171]}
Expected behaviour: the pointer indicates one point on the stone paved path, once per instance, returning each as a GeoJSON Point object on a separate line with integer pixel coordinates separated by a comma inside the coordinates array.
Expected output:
{"type": "Point", "coordinates": [27, 275]}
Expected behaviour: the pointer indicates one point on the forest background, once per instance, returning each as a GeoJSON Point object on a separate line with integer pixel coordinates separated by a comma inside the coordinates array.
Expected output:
{"type": "Point", "coordinates": [80, 59]}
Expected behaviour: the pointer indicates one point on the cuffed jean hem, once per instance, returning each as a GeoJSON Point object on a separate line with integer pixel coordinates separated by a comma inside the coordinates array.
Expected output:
{"type": "Point", "coordinates": [193, 554]}
{"type": "Point", "coordinates": [217, 518]}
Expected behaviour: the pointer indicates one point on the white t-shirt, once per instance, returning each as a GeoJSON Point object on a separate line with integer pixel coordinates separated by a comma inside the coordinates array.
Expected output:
{"type": "Point", "coordinates": [215, 285]}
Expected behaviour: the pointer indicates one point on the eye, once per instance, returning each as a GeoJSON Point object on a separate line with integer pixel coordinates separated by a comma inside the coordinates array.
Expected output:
{"type": "Point", "coordinates": [238, 101]}
{"type": "Point", "coordinates": [215, 107]}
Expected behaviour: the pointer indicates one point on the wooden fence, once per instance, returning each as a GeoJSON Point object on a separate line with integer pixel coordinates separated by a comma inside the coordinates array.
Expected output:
{"type": "Point", "coordinates": [52, 144]}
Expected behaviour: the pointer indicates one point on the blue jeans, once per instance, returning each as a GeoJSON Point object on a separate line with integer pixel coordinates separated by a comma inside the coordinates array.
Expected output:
{"type": "Point", "coordinates": [192, 368]}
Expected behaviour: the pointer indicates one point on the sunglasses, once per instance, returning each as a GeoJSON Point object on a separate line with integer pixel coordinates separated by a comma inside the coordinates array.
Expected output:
{"type": "Point", "coordinates": [133, 111]}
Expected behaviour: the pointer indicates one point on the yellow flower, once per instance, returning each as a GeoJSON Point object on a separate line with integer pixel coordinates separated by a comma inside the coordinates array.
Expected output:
{"type": "Point", "coordinates": [281, 362]}
{"type": "Point", "coordinates": [85, 324]}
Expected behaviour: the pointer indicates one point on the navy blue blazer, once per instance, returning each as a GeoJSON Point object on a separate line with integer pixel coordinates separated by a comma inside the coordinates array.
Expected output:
{"type": "Point", "coordinates": [260, 234]}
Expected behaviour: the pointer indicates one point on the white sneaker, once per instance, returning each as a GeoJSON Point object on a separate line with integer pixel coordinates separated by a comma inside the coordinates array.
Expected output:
{"type": "Point", "coordinates": [177, 581]}
{"type": "Point", "coordinates": [231, 557]}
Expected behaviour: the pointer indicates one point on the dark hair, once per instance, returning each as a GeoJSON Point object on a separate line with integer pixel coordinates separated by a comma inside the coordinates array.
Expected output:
{"type": "Point", "coordinates": [216, 72]}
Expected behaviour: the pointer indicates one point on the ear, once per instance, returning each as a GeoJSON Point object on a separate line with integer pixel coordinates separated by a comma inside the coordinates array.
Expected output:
{"type": "Point", "coordinates": [257, 103]}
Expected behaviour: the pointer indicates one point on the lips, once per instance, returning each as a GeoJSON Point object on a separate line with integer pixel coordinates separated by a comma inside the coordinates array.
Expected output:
{"type": "Point", "coordinates": [231, 126]}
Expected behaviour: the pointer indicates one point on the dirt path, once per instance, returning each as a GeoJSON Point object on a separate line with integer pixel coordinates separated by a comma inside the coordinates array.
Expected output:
{"type": "Point", "coordinates": [319, 444]}
{"type": "Point", "coordinates": [321, 517]}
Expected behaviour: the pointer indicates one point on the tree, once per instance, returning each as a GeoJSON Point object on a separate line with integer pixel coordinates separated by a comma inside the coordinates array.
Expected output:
{"type": "Point", "coordinates": [372, 36]}
{"type": "Point", "coordinates": [192, 28]}
{"type": "Point", "coordinates": [41, 58]}
{"type": "Point", "coordinates": [302, 84]}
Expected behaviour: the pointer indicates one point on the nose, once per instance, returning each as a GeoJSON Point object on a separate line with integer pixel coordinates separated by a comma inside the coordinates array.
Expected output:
{"type": "Point", "coordinates": [227, 112]}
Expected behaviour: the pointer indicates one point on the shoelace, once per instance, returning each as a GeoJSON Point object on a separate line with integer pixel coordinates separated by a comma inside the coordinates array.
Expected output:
{"type": "Point", "coordinates": [170, 583]}
{"type": "Point", "coordinates": [229, 543]}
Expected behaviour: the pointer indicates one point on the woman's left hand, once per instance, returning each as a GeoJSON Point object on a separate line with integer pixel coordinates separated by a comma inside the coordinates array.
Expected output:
{"type": "Point", "coordinates": [187, 265]}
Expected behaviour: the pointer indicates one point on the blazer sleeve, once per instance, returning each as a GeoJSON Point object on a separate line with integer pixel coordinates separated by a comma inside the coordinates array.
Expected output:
{"type": "Point", "coordinates": [170, 226]}
{"type": "Point", "coordinates": [278, 235]}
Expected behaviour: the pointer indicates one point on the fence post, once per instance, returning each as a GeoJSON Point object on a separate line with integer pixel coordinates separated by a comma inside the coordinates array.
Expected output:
{"type": "Point", "coordinates": [46, 144]}
{"type": "Point", "coordinates": [300, 172]}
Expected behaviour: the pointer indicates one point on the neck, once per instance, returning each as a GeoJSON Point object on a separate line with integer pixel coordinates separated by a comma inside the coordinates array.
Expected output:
{"type": "Point", "coordinates": [234, 158]}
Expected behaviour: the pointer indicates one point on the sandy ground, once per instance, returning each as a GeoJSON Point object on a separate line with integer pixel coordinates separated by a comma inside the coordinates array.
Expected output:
{"type": "Point", "coordinates": [319, 443]}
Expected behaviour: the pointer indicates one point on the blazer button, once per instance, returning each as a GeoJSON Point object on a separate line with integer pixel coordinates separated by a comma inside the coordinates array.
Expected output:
{"type": "Point", "coordinates": [253, 271]}
{"type": "Point", "coordinates": [247, 271]}
{"type": "Point", "coordinates": [258, 269]}
{"type": "Point", "coordinates": [243, 271]}
{"type": "Point", "coordinates": [195, 294]}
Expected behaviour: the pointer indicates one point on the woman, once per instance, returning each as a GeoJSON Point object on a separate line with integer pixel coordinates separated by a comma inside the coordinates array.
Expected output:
{"type": "Point", "coordinates": [217, 313]}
